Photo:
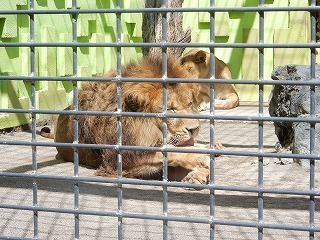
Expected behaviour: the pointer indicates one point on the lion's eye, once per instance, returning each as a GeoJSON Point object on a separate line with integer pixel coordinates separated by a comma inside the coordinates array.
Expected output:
{"type": "Point", "coordinates": [172, 110]}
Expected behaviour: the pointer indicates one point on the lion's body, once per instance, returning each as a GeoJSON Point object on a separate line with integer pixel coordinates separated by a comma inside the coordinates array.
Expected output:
{"type": "Point", "coordinates": [136, 131]}
{"type": "Point", "coordinates": [198, 63]}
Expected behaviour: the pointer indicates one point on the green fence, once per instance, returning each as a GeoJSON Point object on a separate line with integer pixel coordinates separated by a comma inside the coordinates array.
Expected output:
{"type": "Point", "coordinates": [233, 27]}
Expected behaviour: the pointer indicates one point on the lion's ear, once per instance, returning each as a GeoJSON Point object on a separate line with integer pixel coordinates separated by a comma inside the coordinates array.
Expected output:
{"type": "Point", "coordinates": [134, 103]}
{"type": "Point", "coordinates": [189, 56]}
{"type": "Point", "coordinates": [200, 57]}
{"type": "Point", "coordinates": [183, 59]}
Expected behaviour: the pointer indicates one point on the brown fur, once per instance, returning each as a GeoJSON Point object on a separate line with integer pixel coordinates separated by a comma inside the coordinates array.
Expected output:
{"type": "Point", "coordinates": [197, 62]}
{"type": "Point", "coordinates": [136, 131]}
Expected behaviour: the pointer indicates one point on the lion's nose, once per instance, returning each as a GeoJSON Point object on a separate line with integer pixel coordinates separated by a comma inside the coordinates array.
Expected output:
{"type": "Point", "coordinates": [193, 131]}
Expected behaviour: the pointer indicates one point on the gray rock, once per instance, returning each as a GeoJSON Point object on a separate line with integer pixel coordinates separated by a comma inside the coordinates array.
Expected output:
{"type": "Point", "coordinates": [294, 101]}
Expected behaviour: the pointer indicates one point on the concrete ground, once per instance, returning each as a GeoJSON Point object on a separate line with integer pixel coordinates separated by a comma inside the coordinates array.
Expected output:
{"type": "Point", "coordinates": [240, 171]}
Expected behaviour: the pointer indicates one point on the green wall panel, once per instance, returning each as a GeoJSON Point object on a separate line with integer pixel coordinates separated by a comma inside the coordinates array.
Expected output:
{"type": "Point", "coordinates": [280, 27]}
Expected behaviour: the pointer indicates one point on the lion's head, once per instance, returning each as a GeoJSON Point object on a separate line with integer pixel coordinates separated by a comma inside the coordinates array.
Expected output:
{"type": "Point", "coordinates": [147, 97]}
{"type": "Point", "coordinates": [182, 99]}
{"type": "Point", "coordinates": [197, 62]}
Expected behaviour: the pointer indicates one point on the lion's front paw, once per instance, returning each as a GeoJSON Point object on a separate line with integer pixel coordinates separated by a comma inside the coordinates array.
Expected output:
{"type": "Point", "coordinates": [200, 176]}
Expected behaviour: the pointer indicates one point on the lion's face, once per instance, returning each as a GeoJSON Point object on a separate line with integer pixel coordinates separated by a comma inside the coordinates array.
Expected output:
{"type": "Point", "coordinates": [181, 99]}
{"type": "Point", "coordinates": [197, 63]}
{"type": "Point", "coordinates": [182, 131]}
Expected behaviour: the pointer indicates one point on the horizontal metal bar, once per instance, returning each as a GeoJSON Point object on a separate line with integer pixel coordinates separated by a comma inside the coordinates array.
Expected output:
{"type": "Point", "coordinates": [257, 118]}
{"type": "Point", "coordinates": [161, 218]}
{"type": "Point", "coordinates": [163, 10]}
{"type": "Point", "coordinates": [160, 45]}
{"type": "Point", "coordinates": [129, 181]}
{"type": "Point", "coordinates": [163, 149]}
{"type": "Point", "coordinates": [16, 238]}
{"type": "Point", "coordinates": [315, 82]}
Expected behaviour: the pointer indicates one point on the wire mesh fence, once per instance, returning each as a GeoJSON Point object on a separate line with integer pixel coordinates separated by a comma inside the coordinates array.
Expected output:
{"type": "Point", "coordinates": [262, 208]}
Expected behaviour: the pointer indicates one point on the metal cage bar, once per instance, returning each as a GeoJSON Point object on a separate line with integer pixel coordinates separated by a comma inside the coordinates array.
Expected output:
{"type": "Point", "coordinates": [119, 121]}
{"type": "Point", "coordinates": [310, 8]}
{"type": "Point", "coordinates": [33, 123]}
{"type": "Point", "coordinates": [167, 44]}
{"type": "Point", "coordinates": [260, 123]}
{"type": "Point", "coordinates": [75, 121]}
{"type": "Point", "coordinates": [211, 128]}
{"type": "Point", "coordinates": [312, 206]}
{"type": "Point", "coordinates": [164, 30]}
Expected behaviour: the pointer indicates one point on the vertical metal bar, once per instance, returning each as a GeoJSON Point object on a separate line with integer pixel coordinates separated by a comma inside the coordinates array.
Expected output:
{"type": "Point", "coordinates": [119, 123]}
{"type": "Point", "coordinates": [75, 119]}
{"type": "Point", "coordinates": [260, 124]}
{"type": "Point", "coordinates": [212, 76]}
{"type": "Point", "coordinates": [33, 122]}
{"type": "Point", "coordinates": [313, 39]}
{"type": "Point", "coordinates": [164, 121]}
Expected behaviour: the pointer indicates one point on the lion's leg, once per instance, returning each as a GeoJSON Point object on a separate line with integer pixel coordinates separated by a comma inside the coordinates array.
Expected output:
{"type": "Point", "coordinates": [230, 102]}
{"type": "Point", "coordinates": [196, 164]}
{"type": "Point", "coordinates": [195, 167]}
{"type": "Point", "coordinates": [190, 161]}
{"type": "Point", "coordinates": [151, 166]}
{"type": "Point", "coordinates": [226, 96]}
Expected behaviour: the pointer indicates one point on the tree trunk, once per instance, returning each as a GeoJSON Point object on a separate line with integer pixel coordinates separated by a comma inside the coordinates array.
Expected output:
{"type": "Point", "coordinates": [152, 28]}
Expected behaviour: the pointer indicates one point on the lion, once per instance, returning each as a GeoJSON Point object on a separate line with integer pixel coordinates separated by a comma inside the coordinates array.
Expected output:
{"type": "Point", "coordinates": [142, 97]}
{"type": "Point", "coordinates": [197, 62]}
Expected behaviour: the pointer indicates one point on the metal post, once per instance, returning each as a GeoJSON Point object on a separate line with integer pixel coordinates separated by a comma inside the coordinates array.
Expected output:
{"type": "Point", "coordinates": [33, 122]}
{"type": "Point", "coordinates": [75, 121]}
{"type": "Point", "coordinates": [260, 123]}
{"type": "Point", "coordinates": [313, 39]}
{"type": "Point", "coordinates": [119, 122]}
{"type": "Point", "coordinates": [164, 120]}
{"type": "Point", "coordinates": [212, 121]}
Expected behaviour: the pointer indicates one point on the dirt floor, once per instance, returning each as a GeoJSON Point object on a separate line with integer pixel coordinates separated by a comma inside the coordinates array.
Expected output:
{"type": "Point", "coordinates": [230, 207]}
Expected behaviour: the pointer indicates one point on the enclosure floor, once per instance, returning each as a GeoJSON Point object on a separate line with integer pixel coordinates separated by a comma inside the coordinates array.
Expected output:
{"type": "Point", "coordinates": [240, 171]}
